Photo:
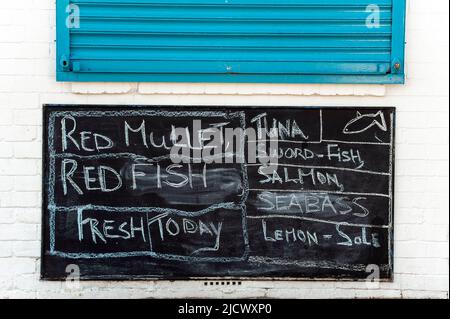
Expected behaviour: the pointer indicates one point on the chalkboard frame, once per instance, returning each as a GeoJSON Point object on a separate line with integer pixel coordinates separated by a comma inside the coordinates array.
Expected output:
{"type": "Point", "coordinates": [114, 277]}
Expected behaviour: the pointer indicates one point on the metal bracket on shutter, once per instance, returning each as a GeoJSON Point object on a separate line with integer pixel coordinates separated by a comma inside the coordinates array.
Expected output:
{"type": "Point", "coordinates": [65, 63]}
{"type": "Point", "coordinates": [396, 66]}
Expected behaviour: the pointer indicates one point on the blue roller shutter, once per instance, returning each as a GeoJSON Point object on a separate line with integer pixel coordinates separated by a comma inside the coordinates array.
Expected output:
{"type": "Point", "coordinates": [272, 41]}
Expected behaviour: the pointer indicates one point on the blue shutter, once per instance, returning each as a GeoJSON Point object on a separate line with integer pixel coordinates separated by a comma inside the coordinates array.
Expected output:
{"type": "Point", "coordinates": [271, 41]}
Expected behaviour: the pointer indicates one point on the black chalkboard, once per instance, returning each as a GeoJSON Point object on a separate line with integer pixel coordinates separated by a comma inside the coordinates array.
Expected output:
{"type": "Point", "coordinates": [314, 201]}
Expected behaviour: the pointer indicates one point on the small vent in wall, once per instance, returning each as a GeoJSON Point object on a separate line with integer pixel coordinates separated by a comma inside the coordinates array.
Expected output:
{"type": "Point", "coordinates": [222, 283]}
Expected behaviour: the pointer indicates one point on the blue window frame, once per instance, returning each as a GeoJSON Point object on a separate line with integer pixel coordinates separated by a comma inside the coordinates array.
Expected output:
{"type": "Point", "coordinates": [265, 41]}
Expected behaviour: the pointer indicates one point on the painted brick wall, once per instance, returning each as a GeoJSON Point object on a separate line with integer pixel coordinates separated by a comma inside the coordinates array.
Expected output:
{"type": "Point", "coordinates": [27, 80]}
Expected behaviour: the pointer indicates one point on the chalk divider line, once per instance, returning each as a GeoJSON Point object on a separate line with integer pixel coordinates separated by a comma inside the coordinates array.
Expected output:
{"type": "Point", "coordinates": [391, 194]}
{"type": "Point", "coordinates": [318, 220]}
{"type": "Point", "coordinates": [273, 190]}
{"type": "Point", "coordinates": [325, 167]}
{"type": "Point", "coordinates": [320, 142]}
{"type": "Point", "coordinates": [310, 263]}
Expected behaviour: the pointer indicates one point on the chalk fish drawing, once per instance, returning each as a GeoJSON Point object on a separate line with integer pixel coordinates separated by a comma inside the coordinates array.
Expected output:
{"type": "Point", "coordinates": [363, 122]}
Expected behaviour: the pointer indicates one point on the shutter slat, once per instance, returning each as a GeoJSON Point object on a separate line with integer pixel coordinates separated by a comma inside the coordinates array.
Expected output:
{"type": "Point", "coordinates": [346, 3]}
{"type": "Point", "coordinates": [211, 12]}
{"type": "Point", "coordinates": [114, 66]}
{"type": "Point", "coordinates": [233, 54]}
{"type": "Point", "coordinates": [239, 37]}
{"type": "Point", "coordinates": [205, 40]}
{"type": "Point", "coordinates": [234, 26]}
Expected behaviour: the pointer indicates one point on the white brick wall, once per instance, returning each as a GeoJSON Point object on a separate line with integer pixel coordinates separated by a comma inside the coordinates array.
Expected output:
{"type": "Point", "coordinates": [27, 80]}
